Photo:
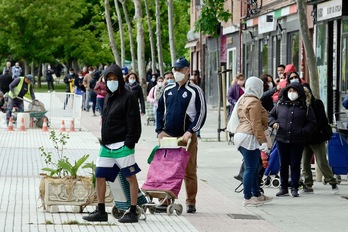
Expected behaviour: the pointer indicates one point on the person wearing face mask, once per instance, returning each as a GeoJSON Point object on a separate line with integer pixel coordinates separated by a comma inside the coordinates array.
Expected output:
{"type": "Point", "coordinates": [293, 77]}
{"type": "Point", "coordinates": [152, 82]}
{"type": "Point", "coordinates": [69, 81]}
{"type": "Point", "coordinates": [132, 84]}
{"type": "Point", "coordinates": [236, 90]}
{"type": "Point", "coordinates": [182, 112]}
{"type": "Point", "coordinates": [295, 122]}
{"type": "Point", "coordinates": [120, 131]}
{"type": "Point", "coordinates": [100, 90]}
{"type": "Point", "coordinates": [269, 89]}
{"type": "Point", "coordinates": [155, 94]}
{"type": "Point", "coordinates": [49, 78]}
{"type": "Point", "coordinates": [250, 139]}
{"type": "Point", "coordinates": [168, 78]}
{"type": "Point", "coordinates": [86, 82]}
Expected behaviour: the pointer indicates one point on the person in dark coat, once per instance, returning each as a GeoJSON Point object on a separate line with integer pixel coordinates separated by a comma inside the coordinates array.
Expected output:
{"type": "Point", "coordinates": [5, 81]}
{"type": "Point", "coordinates": [121, 130]}
{"type": "Point", "coordinates": [236, 90]}
{"type": "Point", "coordinates": [295, 122]}
{"type": "Point", "coordinates": [269, 88]}
{"type": "Point", "coordinates": [49, 78]}
{"type": "Point", "coordinates": [316, 145]}
{"type": "Point", "coordinates": [132, 84]}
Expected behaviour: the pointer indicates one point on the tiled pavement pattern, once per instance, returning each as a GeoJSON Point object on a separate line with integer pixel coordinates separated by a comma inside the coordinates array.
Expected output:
{"type": "Point", "coordinates": [217, 203]}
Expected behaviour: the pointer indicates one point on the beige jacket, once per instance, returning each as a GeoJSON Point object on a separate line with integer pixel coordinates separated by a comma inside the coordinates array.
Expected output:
{"type": "Point", "coordinates": [253, 118]}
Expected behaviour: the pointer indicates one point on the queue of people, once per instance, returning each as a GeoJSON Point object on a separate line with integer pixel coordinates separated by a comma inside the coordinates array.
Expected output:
{"type": "Point", "coordinates": [301, 129]}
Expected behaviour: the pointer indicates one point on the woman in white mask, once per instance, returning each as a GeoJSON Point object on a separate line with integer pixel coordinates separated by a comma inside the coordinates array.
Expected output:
{"type": "Point", "coordinates": [132, 84]}
{"type": "Point", "coordinates": [295, 122]}
{"type": "Point", "coordinates": [153, 97]}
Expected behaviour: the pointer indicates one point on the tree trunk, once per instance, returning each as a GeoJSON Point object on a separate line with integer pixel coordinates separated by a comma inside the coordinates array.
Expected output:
{"type": "Point", "coordinates": [152, 42]}
{"type": "Point", "coordinates": [159, 37]}
{"type": "Point", "coordinates": [311, 58]}
{"type": "Point", "coordinates": [120, 25]}
{"type": "Point", "coordinates": [140, 38]}
{"type": "Point", "coordinates": [131, 39]}
{"type": "Point", "coordinates": [111, 32]}
{"type": "Point", "coordinates": [171, 31]}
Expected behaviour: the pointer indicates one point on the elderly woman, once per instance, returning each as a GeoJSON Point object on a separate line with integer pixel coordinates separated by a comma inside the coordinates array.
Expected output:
{"type": "Point", "coordinates": [295, 121]}
{"type": "Point", "coordinates": [249, 136]}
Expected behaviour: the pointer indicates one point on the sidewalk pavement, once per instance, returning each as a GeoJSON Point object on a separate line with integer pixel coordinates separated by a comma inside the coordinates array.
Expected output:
{"type": "Point", "coordinates": [218, 206]}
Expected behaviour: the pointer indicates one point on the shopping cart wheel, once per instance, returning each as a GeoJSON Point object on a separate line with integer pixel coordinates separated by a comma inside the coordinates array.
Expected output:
{"type": "Point", "coordinates": [275, 183]}
{"type": "Point", "coordinates": [262, 184]}
{"type": "Point", "coordinates": [170, 210]}
{"type": "Point", "coordinates": [267, 181]}
{"type": "Point", "coordinates": [152, 209]}
{"type": "Point", "coordinates": [179, 209]}
{"type": "Point", "coordinates": [117, 213]}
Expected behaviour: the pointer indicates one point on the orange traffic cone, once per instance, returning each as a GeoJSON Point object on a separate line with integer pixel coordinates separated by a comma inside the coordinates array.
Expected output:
{"type": "Point", "coordinates": [10, 125]}
{"type": "Point", "coordinates": [44, 125]}
{"type": "Point", "coordinates": [22, 127]}
{"type": "Point", "coordinates": [72, 126]}
{"type": "Point", "coordinates": [62, 127]}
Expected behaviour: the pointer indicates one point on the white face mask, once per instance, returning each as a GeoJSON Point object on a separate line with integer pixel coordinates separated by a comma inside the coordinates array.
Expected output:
{"type": "Point", "coordinates": [270, 85]}
{"type": "Point", "coordinates": [178, 76]}
{"type": "Point", "coordinates": [160, 84]}
{"type": "Point", "coordinates": [112, 85]}
{"type": "Point", "coordinates": [295, 81]}
{"type": "Point", "coordinates": [131, 81]}
{"type": "Point", "coordinates": [170, 81]}
{"type": "Point", "coordinates": [90, 72]}
{"type": "Point", "coordinates": [80, 77]}
{"type": "Point", "coordinates": [292, 96]}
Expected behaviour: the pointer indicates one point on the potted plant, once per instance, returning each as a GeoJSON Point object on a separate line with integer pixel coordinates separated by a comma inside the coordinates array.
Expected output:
{"type": "Point", "coordinates": [61, 184]}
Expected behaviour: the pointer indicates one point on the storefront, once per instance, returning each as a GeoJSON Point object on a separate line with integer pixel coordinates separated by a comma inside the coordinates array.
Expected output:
{"type": "Point", "coordinates": [331, 33]}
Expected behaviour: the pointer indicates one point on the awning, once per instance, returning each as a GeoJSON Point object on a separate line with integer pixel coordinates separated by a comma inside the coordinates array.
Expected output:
{"type": "Point", "coordinates": [191, 44]}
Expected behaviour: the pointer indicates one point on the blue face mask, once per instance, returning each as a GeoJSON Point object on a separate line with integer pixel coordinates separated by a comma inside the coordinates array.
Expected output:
{"type": "Point", "coordinates": [131, 81]}
{"type": "Point", "coordinates": [170, 81]}
{"type": "Point", "coordinates": [112, 85]}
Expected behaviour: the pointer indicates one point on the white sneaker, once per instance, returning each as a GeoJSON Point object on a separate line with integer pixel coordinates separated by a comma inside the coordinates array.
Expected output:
{"type": "Point", "coordinates": [264, 198]}
{"type": "Point", "coordinates": [252, 202]}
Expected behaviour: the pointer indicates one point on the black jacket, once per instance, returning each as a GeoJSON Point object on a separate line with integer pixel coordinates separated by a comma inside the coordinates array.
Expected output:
{"type": "Point", "coordinates": [296, 121]}
{"type": "Point", "coordinates": [266, 99]}
{"type": "Point", "coordinates": [5, 81]}
{"type": "Point", "coordinates": [138, 92]}
{"type": "Point", "coordinates": [121, 116]}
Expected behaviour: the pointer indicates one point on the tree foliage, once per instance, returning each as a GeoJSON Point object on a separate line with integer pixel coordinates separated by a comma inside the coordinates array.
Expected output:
{"type": "Point", "coordinates": [212, 14]}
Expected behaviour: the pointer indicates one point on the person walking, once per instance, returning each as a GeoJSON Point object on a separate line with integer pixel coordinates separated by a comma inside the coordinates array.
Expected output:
{"type": "Point", "coordinates": [295, 122]}
{"type": "Point", "coordinates": [249, 138]}
{"type": "Point", "coordinates": [49, 78]}
{"type": "Point", "coordinates": [120, 131]}
{"type": "Point", "coordinates": [16, 71]}
{"type": "Point", "coordinates": [86, 79]}
{"type": "Point", "coordinates": [316, 145]}
{"type": "Point", "coordinates": [182, 112]}
{"type": "Point", "coordinates": [101, 91]}
{"type": "Point", "coordinates": [7, 68]}
{"type": "Point", "coordinates": [155, 94]}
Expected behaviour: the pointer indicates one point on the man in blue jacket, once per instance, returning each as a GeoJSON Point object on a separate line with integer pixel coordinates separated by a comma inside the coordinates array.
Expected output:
{"type": "Point", "coordinates": [121, 129]}
{"type": "Point", "coordinates": [182, 112]}
{"type": "Point", "coordinates": [345, 104]}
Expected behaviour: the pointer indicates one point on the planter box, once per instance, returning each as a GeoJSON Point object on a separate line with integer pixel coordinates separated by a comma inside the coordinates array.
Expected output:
{"type": "Point", "coordinates": [77, 192]}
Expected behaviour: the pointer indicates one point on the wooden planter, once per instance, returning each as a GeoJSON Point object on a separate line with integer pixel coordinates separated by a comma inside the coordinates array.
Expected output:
{"type": "Point", "coordinates": [79, 192]}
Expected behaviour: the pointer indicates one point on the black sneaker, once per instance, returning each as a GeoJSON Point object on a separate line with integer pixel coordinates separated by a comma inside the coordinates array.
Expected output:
{"type": "Point", "coordinates": [283, 192]}
{"type": "Point", "coordinates": [307, 190]}
{"type": "Point", "coordinates": [191, 209]}
{"type": "Point", "coordinates": [128, 217]}
{"type": "Point", "coordinates": [294, 193]}
{"type": "Point", "coordinates": [96, 216]}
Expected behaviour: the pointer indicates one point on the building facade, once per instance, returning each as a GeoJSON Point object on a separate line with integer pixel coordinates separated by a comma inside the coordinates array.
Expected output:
{"type": "Point", "coordinates": [264, 34]}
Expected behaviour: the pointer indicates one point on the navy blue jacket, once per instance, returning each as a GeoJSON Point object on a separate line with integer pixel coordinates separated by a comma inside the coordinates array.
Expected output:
{"type": "Point", "coordinates": [181, 109]}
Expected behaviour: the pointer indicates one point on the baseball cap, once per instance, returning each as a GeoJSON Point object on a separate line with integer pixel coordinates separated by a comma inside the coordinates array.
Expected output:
{"type": "Point", "coordinates": [181, 63]}
{"type": "Point", "coordinates": [124, 70]}
{"type": "Point", "coordinates": [30, 77]}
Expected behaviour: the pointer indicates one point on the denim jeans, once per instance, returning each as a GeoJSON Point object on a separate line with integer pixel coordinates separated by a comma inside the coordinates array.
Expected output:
{"type": "Point", "coordinates": [290, 154]}
{"type": "Point", "coordinates": [251, 172]}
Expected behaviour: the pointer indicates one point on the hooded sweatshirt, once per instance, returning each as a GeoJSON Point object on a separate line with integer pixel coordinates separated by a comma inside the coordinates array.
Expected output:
{"type": "Point", "coordinates": [252, 116]}
{"type": "Point", "coordinates": [121, 116]}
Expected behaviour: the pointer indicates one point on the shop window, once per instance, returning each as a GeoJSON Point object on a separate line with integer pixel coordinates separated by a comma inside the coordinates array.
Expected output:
{"type": "Point", "coordinates": [293, 56]}
{"type": "Point", "coordinates": [264, 56]}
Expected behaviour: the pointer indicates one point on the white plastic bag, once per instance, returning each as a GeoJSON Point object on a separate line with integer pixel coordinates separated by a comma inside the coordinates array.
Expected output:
{"type": "Point", "coordinates": [234, 121]}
